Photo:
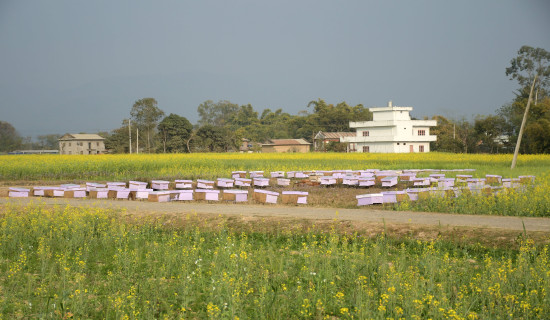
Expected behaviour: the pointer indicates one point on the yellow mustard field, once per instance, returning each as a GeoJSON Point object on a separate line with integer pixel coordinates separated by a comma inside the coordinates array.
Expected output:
{"type": "Point", "coordinates": [212, 165]}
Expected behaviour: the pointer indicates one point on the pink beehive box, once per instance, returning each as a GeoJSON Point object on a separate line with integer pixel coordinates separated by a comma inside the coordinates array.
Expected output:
{"type": "Point", "coordinates": [205, 184]}
{"type": "Point", "coordinates": [235, 195]}
{"type": "Point", "coordinates": [182, 195]}
{"type": "Point", "coordinates": [366, 181]}
{"type": "Point", "coordinates": [159, 196]}
{"type": "Point", "coordinates": [256, 174]}
{"type": "Point", "coordinates": [368, 199]}
{"type": "Point", "coordinates": [137, 185]}
{"type": "Point", "coordinates": [98, 193]}
{"type": "Point", "coordinates": [328, 180]}
{"type": "Point", "coordinates": [260, 182]}
{"type": "Point", "coordinates": [18, 192]}
{"type": "Point", "coordinates": [238, 174]}
{"type": "Point", "coordinates": [265, 196]}
{"type": "Point", "coordinates": [242, 182]}
{"type": "Point", "coordinates": [207, 194]}
{"type": "Point", "coordinates": [283, 182]}
{"type": "Point", "coordinates": [389, 181]}
{"type": "Point", "coordinates": [294, 197]}
{"type": "Point", "coordinates": [160, 184]}
{"type": "Point", "coordinates": [225, 183]}
{"type": "Point", "coordinates": [142, 194]}
{"type": "Point", "coordinates": [184, 184]}
{"type": "Point", "coordinates": [350, 181]}
{"type": "Point", "coordinates": [277, 174]}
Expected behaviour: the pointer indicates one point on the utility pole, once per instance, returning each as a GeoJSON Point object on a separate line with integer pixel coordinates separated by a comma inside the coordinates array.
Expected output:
{"type": "Point", "coordinates": [137, 140]}
{"type": "Point", "coordinates": [516, 151]}
{"type": "Point", "coordinates": [130, 134]}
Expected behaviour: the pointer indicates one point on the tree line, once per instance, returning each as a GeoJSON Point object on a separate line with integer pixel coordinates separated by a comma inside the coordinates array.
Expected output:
{"type": "Point", "coordinates": [222, 125]}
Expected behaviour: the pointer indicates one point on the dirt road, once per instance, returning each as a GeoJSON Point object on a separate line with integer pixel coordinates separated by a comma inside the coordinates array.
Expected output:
{"type": "Point", "coordinates": [361, 215]}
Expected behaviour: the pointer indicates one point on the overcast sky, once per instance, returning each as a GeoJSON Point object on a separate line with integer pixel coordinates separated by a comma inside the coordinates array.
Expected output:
{"type": "Point", "coordinates": [78, 66]}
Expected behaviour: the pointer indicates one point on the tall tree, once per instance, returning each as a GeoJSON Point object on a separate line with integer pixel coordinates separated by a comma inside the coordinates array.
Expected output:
{"type": "Point", "coordinates": [531, 68]}
{"type": "Point", "coordinates": [146, 114]}
{"type": "Point", "coordinates": [9, 138]}
{"type": "Point", "coordinates": [488, 129]}
{"type": "Point", "coordinates": [530, 63]}
{"type": "Point", "coordinates": [48, 141]}
{"type": "Point", "coordinates": [174, 131]}
{"type": "Point", "coordinates": [216, 114]}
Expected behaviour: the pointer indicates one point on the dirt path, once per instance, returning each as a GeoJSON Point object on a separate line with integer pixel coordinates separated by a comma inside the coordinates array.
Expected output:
{"type": "Point", "coordinates": [360, 215]}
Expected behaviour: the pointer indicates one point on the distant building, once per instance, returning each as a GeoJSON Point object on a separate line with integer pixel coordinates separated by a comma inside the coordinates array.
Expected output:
{"type": "Point", "coordinates": [286, 145]}
{"type": "Point", "coordinates": [81, 143]}
{"type": "Point", "coordinates": [321, 139]}
{"type": "Point", "coordinates": [392, 131]}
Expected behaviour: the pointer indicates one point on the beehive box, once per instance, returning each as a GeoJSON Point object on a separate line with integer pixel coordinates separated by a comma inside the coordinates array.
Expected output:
{"type": "Point", "coordinates": [238, 174]}
{"type": "Point", "coordinates": [159, 196]}
{"type": "Point", "coordinates": [235, 195]}
{"type": "Point", "coordinates": [242, 182]}
{"type": "Point", "coordinates": [182, 195]}
{"type": "Point", "coordinates": [294, 197]}
{"type": "Point", "coordinates": [160, 184]}
{"type": "Point", "coordinates": [98, 193]}
{"type": "Point", "coordinates": [283, 182]}
{"type": "Point", "coordinates": [368, 199]}
{"type": "Point", "coordinates": [118, 193]}
{"type": "Point", "coordinates": [116, 184]}
{"type": "Point", "coordinates": [265, 196]}
{"type": "Point", "coordinates": [526, 179]}
{"type": "Point", "coordinates": [328, 180]}
{"type": "Point", "coordinates": [205, 184]}
{"type": "Point", "coordinates": [137, 185]}
{"type": "Point", "coordinates": [256, 174]}
{"type": "Point", "coordinates": [493, 179]}
{"type": "Point", "coordinates": [366, 181]}
{"type": "Point", "coordinates": [75, 193]}
{"type": "Point", "coordinates": [350, 181]}
{"type": "Point", "coordinates": [18, 192]}
{"type": "Point", "coordinates": [225, 183]}
{"type": "Point", "coordinates": [183, 184]}
{"type": "Point", "coordinates": [54, 192]}
{"type": "Point", "coordinates": [277, 174]}
{"type": "Point", "coordinates": [207, 194]}
{"type": "Point", "coordinates": [260, 182]}
{"type": "Point", "coordinates": [141, 194]}
{"type": "Point", "coordinates": [446, 183]}
{"type": "Point", "coordinates": [389, 181]}
{"type": "Point", "coordinates": [91, 185]}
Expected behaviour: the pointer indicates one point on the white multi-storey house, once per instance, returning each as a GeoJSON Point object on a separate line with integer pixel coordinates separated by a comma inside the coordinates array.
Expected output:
{"type": "Point", "coordinates": [391, 131]}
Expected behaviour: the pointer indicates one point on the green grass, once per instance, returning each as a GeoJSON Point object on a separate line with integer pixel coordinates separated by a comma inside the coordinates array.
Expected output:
{"type": "Point", "coordinates": [64, 262]}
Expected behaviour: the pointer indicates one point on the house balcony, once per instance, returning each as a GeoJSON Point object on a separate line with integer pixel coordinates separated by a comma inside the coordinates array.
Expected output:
{"type": "Point", "coordinates": [389, 139]}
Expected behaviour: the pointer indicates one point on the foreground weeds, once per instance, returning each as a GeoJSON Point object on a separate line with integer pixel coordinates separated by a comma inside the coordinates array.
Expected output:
{"type": "Point", "coordinates": [65, 262]}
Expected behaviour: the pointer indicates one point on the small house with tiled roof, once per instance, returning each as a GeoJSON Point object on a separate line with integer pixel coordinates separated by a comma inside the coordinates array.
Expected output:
{"type": "Point", "coordinates": [286, 145]}
{"type": "Point", "coordinates": [81, 143]}
{"type": "Point", "coordinates": [322, 139]}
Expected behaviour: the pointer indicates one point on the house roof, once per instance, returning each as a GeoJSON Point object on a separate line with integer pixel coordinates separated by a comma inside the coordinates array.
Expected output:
{"type": "Point", "coordinates": [81, 136]}
{"type": "Point", "coordinates": [286, 142]}
{"type": "Point", "coordinates": [334, 135]}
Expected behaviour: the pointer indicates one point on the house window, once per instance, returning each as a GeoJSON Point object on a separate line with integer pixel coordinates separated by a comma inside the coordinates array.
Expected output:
{"type": "Point", "coordinates": [365, 133]}
{"type": "Point", "coordinates": [398, 143]}
{"type": "Point", "coordinates": [366, 149]}
{"type": "Point", "coordinates": [421, 132]}
{"type": "Point", "coordinates": [69, 144]}
{"type": "Point", "coordinates": [97, 143]}
{"type": "Point", "coordinates": [420, 148]}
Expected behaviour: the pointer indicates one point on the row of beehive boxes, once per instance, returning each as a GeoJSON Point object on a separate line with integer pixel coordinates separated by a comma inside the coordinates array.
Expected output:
{"type": "Point", "coordinates": [335, 173]}
{"type": "Point", "coordinates": [95, 192]}
{"type": "Point", "coordinates": [415, 194]}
